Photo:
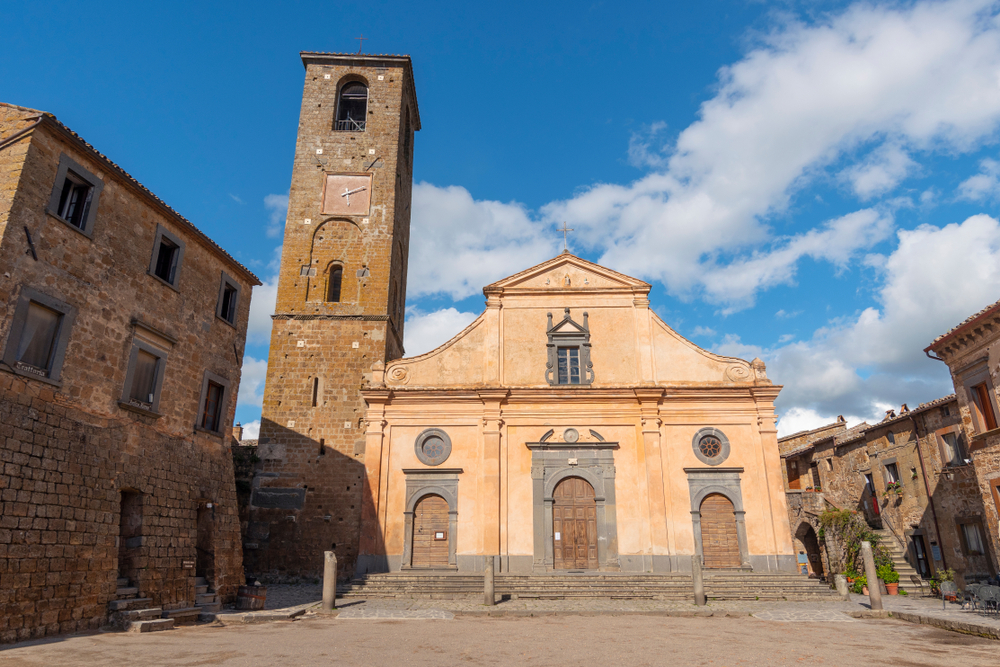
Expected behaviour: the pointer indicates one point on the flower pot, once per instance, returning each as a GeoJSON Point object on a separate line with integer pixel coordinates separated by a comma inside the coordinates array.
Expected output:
{"type": "Point", "coordinates": [864, 590]}
{"type": "Point", "coordinates": [893, 589]}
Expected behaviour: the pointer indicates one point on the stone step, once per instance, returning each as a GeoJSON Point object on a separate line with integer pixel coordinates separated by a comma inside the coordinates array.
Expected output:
{"type": "Point", "coordinates": [204, 598]}
{"type": "Point", "coordinates": [201, 590]}
{"type": "Point", "coordinates": [123, 582]}
{"type": "Point", "coordinates": [124, 592]}
{"type": "Point", "coordinates": [200, 581]}
{"type": "Point", "coordinates": [210, 608]}
{"type": "Point", "coordinates": [183, 616]}
{"type": "Point", "coordinates": [141, 614]}
{"type": "Point", "coordinates": [151, 626]}
{"type": "Point", "coordinates": [130, 603]}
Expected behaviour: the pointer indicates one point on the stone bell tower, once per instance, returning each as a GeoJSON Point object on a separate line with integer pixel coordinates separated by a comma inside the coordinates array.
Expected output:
{"type": "Point", "coordinates": [340, 306]}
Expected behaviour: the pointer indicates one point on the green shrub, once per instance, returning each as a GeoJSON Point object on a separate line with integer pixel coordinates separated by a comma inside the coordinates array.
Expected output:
{"type": "Point", "coordinates": [859, 584]}
{"type": "Point", "coordinates": [887, 573]}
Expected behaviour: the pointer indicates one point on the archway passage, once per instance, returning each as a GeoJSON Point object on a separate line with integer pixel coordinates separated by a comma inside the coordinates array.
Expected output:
{"type": "Point", "coordinates": [720, 542]}
{"type": "Point", "coordinates": [430, 533]}
{"type": "Point", "coordinates": [574, 524]}
{"type": "Point", "coordinates": [807, 536]}
{"type": "Point", "coordinates": [205, 546]}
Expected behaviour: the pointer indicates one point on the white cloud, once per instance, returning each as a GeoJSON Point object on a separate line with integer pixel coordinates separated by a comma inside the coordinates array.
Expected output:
{"type": "Point", "coordinates": [984, 185]}
{"type": "Point", "coordinates": [861, 365]}
{"type": "Point", "coordinates": [646, 148]}
{"type": "Point", "coordinates": [262, 303]}
{"type": "Point", "coordinates": [867, 87]}
{"type": "Point", "coordinates": [252, 382]}
{"type": "Point", "coordinates": [804, 419]}
{"type": "Point", "coordinates": [277, 206]}
{"type": "Point", "coordinates": [459, 245]}
{"type": "Point", "coordinates": [426, 331]}
{"type": "Point", "coordinates": [251, 430]}
{"type": "Point", "coordinates": [703, 331]}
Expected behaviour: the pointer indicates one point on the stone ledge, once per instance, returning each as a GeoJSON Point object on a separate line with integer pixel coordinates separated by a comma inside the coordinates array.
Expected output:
{"type": "Point", "coordinates": [977, 629]}
{"type": "Point", "coordinates": [266, 616]}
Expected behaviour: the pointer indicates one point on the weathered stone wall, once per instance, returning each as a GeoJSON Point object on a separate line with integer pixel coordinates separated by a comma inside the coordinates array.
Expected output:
{"type": "Point", "coordinates": [307, 495]}
{"type": "Point", "coordinates": [69, 448]}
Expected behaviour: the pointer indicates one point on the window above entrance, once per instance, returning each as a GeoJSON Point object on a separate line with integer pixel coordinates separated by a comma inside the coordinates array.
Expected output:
{"type": "Point", "coordinates": [568, 352]}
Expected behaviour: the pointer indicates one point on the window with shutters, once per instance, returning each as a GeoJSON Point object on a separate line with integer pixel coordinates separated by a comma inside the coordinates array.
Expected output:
{"type": "Point", "coordinates": [212, 404]}
{"type": "Point", "coordinates": [168, 253]}
{"type": "Point", "coordinates": [39, 334]}
{"type": "Point", "coordinates": [982, 398]}
{"type": "Point", "coordinates": [144, 378]}
{"type": "Point", "coordinates": [75, 195]}
{"type": "Point", "coordinates": [953, 451]}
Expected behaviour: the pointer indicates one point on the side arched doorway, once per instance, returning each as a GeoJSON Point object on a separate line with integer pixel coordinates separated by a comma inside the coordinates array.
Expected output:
{"type": "Point", "coordinates": [430, 533]}
{"type": "Point", "coordinates": [574, 525]}
{"type": "Point", "coordinates": [806, 540]}
{"type": "Point", "coordinates": [719, 537]}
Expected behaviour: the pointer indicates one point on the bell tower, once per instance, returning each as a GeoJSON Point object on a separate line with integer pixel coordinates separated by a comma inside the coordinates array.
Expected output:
{"type": "Point", "coordinates": [340, 305]}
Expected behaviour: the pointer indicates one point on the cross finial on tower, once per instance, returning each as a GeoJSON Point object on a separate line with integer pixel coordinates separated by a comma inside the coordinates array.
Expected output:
{"type": "Point", "coordinates": [361, 41]}
{"type": "Point", "coordinates": [565, 230]}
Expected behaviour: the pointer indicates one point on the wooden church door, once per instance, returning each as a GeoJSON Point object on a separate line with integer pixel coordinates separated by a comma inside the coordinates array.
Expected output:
{"type": "Point", "coordinates": [430, 533]}
{"type": "Point", "coordinates": [574, 525]}
{"type": "Point", "coordinates": [720, 543]}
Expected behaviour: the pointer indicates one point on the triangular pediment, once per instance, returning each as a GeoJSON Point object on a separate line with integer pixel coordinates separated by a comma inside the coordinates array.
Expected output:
{"type": "Point", "coordinates": [568, 272]}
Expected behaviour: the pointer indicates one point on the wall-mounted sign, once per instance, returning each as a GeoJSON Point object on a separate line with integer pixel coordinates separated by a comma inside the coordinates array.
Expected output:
{"type": "Point", "coordinates": [558, 536]}
{"type": "Point", "coordinates": [440, 536]}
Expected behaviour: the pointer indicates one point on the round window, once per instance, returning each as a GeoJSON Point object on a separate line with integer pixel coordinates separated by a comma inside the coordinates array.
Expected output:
{"type": "Point", "coordinates": [711, 446]}
{"type": "Point", "coordinates": [433, 447]}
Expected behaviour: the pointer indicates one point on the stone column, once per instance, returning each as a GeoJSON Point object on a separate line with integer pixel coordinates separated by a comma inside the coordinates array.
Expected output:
{"type": "Point", "coordinates": [841, 581]}
{"type": "Point", "coordinates": [698, 580]}
{"type": "Point", "coordinates": [491, 470]}
{"type": "Point", "coordinates": [871, 574]}
{"type": "Point", "coordinates": [371, 551]}
{"type": "Point", "coordinates": [489, 597]}
{"type": "Point", "coordinates": [649, 406]}
{"type": "Point", "coordinates": [329, 581]}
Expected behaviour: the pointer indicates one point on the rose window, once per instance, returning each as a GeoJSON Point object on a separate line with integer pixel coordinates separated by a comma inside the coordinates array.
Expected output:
{"type": "Point", "coordinates": [710, 446]}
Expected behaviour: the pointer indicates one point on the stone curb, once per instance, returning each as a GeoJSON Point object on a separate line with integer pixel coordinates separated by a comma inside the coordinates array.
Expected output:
{"type": "Point", "coordinates": [989, 632]}
{"type": "Point", "coordinates": [502, 613]}
{"type": "Point", "coordinates": [266, 616]}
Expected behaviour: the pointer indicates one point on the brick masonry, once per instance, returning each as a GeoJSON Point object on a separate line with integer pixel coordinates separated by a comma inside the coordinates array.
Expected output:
{"type": "Point", "coordinates": [69, 449]}
{"type": "Point", "coordinates": [307, 493]}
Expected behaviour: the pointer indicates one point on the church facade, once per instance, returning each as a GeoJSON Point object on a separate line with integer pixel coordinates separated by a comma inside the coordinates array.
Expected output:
{"type": "Point", "coordinates": [569, 428]}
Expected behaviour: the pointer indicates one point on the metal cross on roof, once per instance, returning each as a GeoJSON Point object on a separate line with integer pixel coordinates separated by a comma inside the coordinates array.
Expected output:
{"type": "Point", "coordinates": [565, 230]}
{"type": "Point", "coordinates": [361, 41]}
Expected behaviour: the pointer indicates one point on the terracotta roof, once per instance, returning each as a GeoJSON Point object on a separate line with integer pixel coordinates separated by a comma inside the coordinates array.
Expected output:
{"type": "Point", "coordinates": [937, 402]}
{"type": "Point", "coordinates": [50, 120]}
{"type": "Point", "coordinates": [982, 314]}
{"type": "Point", "coordinates": [799, 434]}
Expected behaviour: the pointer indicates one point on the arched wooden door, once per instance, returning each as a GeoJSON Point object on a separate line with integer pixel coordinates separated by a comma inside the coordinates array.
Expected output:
{"type": "Point", "coordinates": [430, 533]}
{"type": "Point", "coordinates": [574, 525]}
{"type": "Point", "coordinates": [720, 542]}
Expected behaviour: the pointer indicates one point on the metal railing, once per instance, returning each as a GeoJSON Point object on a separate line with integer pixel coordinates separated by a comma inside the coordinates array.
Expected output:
{"type": "Point", "coordinates": [349, 125]}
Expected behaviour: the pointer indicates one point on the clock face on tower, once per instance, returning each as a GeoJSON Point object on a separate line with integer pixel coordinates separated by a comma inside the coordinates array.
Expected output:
{"type": "Point", "coordinates": [347, 194]}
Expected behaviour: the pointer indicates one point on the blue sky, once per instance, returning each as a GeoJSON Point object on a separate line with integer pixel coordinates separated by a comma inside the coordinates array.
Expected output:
{"type": "Point", "coordinates": [812, 183]}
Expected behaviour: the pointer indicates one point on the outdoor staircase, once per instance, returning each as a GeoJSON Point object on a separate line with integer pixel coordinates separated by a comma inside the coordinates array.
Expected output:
{"type": "Point", "coordinates": [888, 539]}
{"type": "Point", "coordinates": [133, 613]}
{"type": "Point", "coordinates": [206, 600]}
{"type": "Point", "coordinates": [720, 585]}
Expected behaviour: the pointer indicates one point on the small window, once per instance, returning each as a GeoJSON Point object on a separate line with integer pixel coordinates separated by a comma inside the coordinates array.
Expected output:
{"type": "Point", "coordinates": [145, 377]}
{"type": "Point", "coordinates": [972, 540]}
{"type": "Point", "coordinates": [569, 365]}
{"type": "Point", "coordinates": [333, 286]}
{"type": "Point", "coordinates": [869, 483]}
{"type": "Point", "coordinates": [212, 404]}
{"type": "Point", "coordinates": [946, 411]}
{"type": "Point", "coordinates": [75, 195]}
{"type": "Point", "coordinates": [891, 437]}
{"type": "Point", "coordinates": [793, 475]}
{"type": "Point", "coordinates": [891, 473]}
{"type": "Point", "coordinates": [352, 108]}
{"type": "Point", "coordinates": [39, 335]}
{"type": "Point", "coordinates": [211, 409]}
{"type": "Point", "coordinates": [168, 252]}
{"type": "Point", "coordinates": [981, 398]}
{"type": "Point", "coordinates": [952, 449]}
{"type": "Point", "coordinates": [229, 294]}
{"type": "Point", "coordinates": [317, 391]}
{"type": "Point", "coordinates": [829, 464]}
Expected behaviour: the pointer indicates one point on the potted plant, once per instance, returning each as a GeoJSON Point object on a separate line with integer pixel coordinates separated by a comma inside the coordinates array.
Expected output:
{"type": "Point", "coordinates": [860, 584]}
{"type": "Point", "coordinates": [893, 487]}
{"type": "Point", "coordinates": [948, 588]}
{"type": "Point", "coordinates": [887, 573]}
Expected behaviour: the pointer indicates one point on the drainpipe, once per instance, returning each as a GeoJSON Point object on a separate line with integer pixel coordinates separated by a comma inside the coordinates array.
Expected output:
{"type": "Point", "coordinates": [20, 133]}
{"type": "Point", "coordinates": [927, 488]}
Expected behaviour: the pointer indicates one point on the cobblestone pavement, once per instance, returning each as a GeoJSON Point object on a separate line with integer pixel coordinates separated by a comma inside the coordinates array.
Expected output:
{"type": "Point", "coordinates": [804, 616]}
{"type": "Point", "coordinates": [395, 614]}
{"type": "Point", "coordinates": [538, 642]}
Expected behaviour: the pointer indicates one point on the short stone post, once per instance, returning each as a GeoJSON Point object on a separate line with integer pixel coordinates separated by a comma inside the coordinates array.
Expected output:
{"type": "Point", "coordinates": [699, 582]}
{"type": "Point", "coordinates": [489, 596]}
{"type": "Point", "coordinates": [841, 582]}
{"type": "Point", "coordinates": [871, 575]}
{"type": "Point", "coordinates": [329, 581]}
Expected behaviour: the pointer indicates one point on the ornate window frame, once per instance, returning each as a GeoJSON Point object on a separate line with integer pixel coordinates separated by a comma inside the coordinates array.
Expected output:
{"type": "Point", "coordinates": [418, 447]}
{"type": "Point", "coordinates": [568, 333]}
{"type": "Point", "coordinates": [723, 440]}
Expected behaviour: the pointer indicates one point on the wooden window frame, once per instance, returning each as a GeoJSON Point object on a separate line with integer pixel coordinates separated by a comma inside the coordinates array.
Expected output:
{"type": "Point", "coordinates": [28, 296]}
{"type": "Point", "coordinates": [208, 379]}
{"type": "Point", "coordinates": [978, 523]}
{"type": "Point", "coordinates": [161, 368]}
{"type": "Point", "coordinates": [978, 385]}
{"type": "Point", "coordinates": [70, 169]}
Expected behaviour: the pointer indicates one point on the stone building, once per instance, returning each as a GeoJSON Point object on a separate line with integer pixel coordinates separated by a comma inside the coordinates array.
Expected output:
{"type": "Point", "coordinates": [569, 428]}
{"type": "Point", "coordinates": [340, 307]}
{"type": "Point", "coordinates": [909, 475]}
{"type": "Point", "coordinates": [972, 352]}
{"type": "Point", "coordinates": [122, 329]}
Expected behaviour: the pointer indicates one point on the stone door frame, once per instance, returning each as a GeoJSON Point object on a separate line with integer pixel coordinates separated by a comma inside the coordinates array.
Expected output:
{"type": "Point", "coordinates": [422, 482]}
{"type": "Point", "coordinates": [593, 462]}
{"type": "Point", "coordinates": [703, 482]}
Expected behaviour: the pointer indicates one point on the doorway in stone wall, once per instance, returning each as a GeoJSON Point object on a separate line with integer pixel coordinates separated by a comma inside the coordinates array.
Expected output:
{"type": "Point", "coordinates": [807, 536]}
{"type": "Point", "coordinates": [719, 537]}
{"type": "Point", "coordinates": [574, 525]}
{"type": "Point", "coordinates": [205, 543]}
{"type": "Point", "coordinates": [129, 535]}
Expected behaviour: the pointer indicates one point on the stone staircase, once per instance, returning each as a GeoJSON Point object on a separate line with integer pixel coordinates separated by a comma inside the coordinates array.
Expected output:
{"type": "Point", "coordinates": [206, 600]}
{"type": "Point", "coordinates": [720, 585]}
{"type": "Point", "coordinates": [888, 539]}
{"type": "Point", "coordinates": [133, 613]}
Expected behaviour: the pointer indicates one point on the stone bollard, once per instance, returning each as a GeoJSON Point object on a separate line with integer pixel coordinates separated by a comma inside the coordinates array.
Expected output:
{"type": "Point", "coordinates": [871, 575]}
{"type": "Point", "coordinates": [489, 596]}
{"type": "Point", "coordinates": [329, 581]}
{"type": "Point", "coordinates": [699, 582]}
{"type": "Point", "coordinates": [841, 582]}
